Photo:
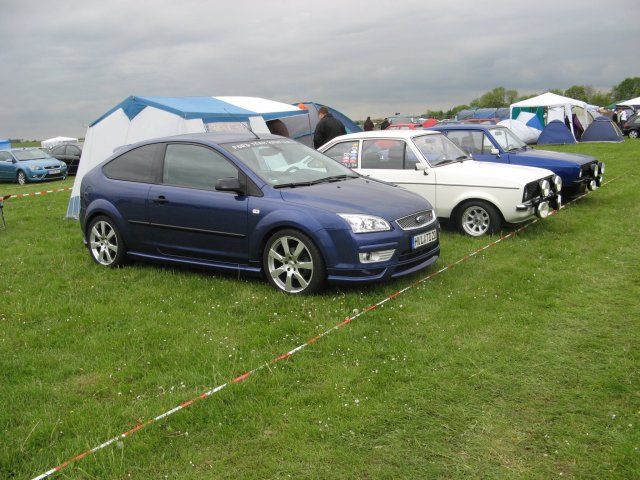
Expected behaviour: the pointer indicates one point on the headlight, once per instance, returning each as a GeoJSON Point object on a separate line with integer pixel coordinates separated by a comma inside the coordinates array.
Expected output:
{"type": "Point", "coordinates": [601, 168]}
{"type": "Point", "coordinates": [36, 168]}
{"type": "Point", "coordinates": [545, 188]}
{"type": "Point", "coordinates": [365, 223]}
{"type": "Point", "coordinates": [596, 170]}
{"type": "Point", "coordinates": [557, 182]}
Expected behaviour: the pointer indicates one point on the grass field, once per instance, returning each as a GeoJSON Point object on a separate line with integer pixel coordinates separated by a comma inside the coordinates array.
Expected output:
{"type": "Point", "coordinates": [521, 362]}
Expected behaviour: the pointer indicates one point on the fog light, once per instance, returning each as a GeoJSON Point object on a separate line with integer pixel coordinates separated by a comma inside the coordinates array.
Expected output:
{"type": "Point", "coordinates": [545, 188]}
{"type": "Point", "coordinates": [542, 210]}
{"type": "Point", "coordinates": [593, 185]}
{"type": "Point", "coordinates": [373, 257]}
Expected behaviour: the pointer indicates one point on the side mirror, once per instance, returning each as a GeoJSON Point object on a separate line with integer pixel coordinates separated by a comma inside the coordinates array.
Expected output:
{"type": "Point", "coordinates": [495, 151]}
{"type": "Point", "coordinates": [230, 185]}
{"type": "Point", "coordinates": [421, 167]}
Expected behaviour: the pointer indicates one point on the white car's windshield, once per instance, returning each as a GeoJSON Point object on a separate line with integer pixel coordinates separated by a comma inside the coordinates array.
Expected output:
{"type": "Point", "coordinates": [438, 149]}
{"type": "Point", "coordinates": [286, 163]}
{"type": "Point", "coordinates": [507, 139]}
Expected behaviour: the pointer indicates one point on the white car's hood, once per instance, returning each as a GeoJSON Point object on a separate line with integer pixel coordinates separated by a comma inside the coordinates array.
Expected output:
{"type": "Point", "coordinates": [486, 174]}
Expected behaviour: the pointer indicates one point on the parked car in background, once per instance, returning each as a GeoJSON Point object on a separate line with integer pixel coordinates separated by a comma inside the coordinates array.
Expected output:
{"type": "Point", "coordinates": [257, 204]}
{"type": "Point", "coordinates": [404, 126]}
{"type": "Point", "coordinates": [498, 144]}
{"type": "Point", "coordinates": [24, 165]}
{"type": "Point", "coordinates": [480, 121]}
{"type": "Point", "coordinates": [477, 196]}
{"type": "Point", "coordinates": [70, 154]}
{"type": "Point", "coordinates": [631, 127]}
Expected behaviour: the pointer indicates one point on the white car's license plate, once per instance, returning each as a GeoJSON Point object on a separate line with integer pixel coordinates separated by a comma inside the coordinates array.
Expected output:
{"type": "Point", "coordinates": [54, 172]}
{"type": "Point", "coordinates": [424, 239]}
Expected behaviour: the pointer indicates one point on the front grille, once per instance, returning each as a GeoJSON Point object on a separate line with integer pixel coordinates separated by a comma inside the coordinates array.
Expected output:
{"type": "Point", "coordinates": [587, 170]}
{"type": "Point", "coordinates": [416, 220]}
{"type": "Point", "coordinates": [532, 189]}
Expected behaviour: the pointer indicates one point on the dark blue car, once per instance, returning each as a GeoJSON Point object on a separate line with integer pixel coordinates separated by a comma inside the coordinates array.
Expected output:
{"type": "Point", "coordinates": [258, 204]}
{"type": "Point", "coordinates": [495, 143]}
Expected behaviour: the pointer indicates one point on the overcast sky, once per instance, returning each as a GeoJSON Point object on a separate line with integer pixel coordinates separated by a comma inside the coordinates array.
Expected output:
{"type": "Point", "coordinates": [67, 62]}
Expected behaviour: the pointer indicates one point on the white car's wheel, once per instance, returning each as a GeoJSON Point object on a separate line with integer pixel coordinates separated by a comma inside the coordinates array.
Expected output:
{"type": "Point", "coordinates": [477, 218]}
{"type": "Point", "coordinates": [633, 134]}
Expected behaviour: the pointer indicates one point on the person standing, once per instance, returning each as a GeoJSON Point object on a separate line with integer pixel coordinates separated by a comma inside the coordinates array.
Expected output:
{"type": "Point", "coordinates": [328, 128]}
{"type": "Point", "coordinates": [368, 124]}
{"type": "Point", "coordinates": [385, 123]}
{"type": "Point", "coordinates": [622, 117]}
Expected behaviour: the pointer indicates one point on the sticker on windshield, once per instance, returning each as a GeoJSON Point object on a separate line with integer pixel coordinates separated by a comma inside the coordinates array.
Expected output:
{"type": "Point", "coordinates": [261, 143]}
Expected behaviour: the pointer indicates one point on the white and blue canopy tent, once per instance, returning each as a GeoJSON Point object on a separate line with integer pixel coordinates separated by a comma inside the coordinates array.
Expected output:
{"type": "Point", "coordinates": [550, 106]}
{"type": "Point", "coordinates": [142, 118]}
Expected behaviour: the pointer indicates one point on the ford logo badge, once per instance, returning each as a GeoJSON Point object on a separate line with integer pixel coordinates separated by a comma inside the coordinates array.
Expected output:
{"type": "Point", "coordinates": [420, 219]}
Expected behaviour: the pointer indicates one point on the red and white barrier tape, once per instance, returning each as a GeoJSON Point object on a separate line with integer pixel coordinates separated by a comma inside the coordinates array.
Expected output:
{"type": "Point", "coordinates": [32, 194]}
{"type": "Point", "coordinates": [288, 354]}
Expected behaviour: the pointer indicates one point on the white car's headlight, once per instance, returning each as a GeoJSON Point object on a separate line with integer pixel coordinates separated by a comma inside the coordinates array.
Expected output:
{"type": "Point", "coordinates": [365, 223]}
{"type": "Point", "coordinates": [545, 187]}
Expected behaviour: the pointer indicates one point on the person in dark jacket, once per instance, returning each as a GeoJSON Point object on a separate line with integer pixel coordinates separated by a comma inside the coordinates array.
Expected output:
{"type": "Point", "coordinates": [368, 124]}
{"type": "Point", "coordinates": [385, 123]}
{"type": "Point", "coordinates": [328, 127]}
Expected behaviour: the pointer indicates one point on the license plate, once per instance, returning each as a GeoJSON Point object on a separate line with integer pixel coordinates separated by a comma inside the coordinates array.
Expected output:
{"type": "Point", "coordinates": [54, 172]}
{"type": "Point", "coordinates": [424, 239]}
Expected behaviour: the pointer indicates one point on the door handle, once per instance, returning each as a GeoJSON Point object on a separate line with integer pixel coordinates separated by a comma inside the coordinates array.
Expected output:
{"type": "Point", "coordinates": [161, 200]}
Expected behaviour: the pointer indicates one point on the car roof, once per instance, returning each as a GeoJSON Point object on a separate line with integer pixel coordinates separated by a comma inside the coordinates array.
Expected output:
{"type": "Point", "coordinates": [217, 137]}
{"type": "Point", "coordinates": [465, 126]}
{"type": "Point", "coordinates": [397, 133]}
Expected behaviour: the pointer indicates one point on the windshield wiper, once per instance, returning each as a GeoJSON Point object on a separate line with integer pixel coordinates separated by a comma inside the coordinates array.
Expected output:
{"type": "Point", "coordinates": [293, 184]}
{"type": "Point", "coordinates": [335, 178]}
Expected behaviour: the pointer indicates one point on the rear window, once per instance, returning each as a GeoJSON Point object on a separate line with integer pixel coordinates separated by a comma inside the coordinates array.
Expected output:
{"type": "Point", "coordinates": [136, 165]}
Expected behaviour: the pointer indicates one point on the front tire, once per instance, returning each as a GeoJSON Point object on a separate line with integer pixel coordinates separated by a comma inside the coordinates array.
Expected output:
{"type": "Point", "coordinates": [293, 264]}
{"type": "Point", "coordinates": [105, 242]}
{"type": "Point", "coordinates": [633, 134]}
{"type": "Point", "coordinates": [477, 217]}
{"type": "Point", "coordinates": [21, 178]}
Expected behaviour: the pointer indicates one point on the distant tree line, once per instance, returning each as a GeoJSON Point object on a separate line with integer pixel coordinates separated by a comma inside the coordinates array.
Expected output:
{"type": "Point", "coordinates": [503, 97]}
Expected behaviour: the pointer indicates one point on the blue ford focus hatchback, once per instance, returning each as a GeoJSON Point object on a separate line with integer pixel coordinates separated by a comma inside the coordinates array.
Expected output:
{"type": "Point", "coordinates": [258, 204]}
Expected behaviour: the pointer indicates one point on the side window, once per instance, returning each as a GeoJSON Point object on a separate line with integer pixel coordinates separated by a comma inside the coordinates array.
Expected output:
{"type": "Point", "coordinates": [384, 154]}
{"type": "Point", "coordinates": [195, 167]}
{"type": "Point", "coordinates": [487, 145]}
{"type": "Point", "coordinates": [345, 153]}
{"type": "Point", "coordinates": [5, 157]}
{"type": "Point", "coordinates": [73, 150]}
{"type": "Point", "coordinates": [135, 165]}
{"type": "Point", "coordinates": [469, 142]}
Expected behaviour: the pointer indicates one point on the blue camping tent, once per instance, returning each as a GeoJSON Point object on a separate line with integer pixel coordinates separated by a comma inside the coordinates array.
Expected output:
{"type": "Point", "coordinates": [602, 130]}
{"type": "Point", "coordinates": [556, 133]}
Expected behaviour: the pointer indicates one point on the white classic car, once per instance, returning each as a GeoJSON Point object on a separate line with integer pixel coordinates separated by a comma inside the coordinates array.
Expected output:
{"type": "Point", "coordinates": [478, 196]}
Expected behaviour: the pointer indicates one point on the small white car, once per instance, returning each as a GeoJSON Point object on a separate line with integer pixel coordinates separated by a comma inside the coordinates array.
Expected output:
{"type": "Point", "coordinates": [478, 196]}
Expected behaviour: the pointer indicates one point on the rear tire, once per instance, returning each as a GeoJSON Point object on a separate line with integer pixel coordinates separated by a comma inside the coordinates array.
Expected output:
{"type": "Point", "coordinates": [476, 218]}
{"type": "Point", "coordinates": [633, 134]}
{"type": "Point", "coordinates": [293, 264]}
{"type": "Point", "coordinates": [105, 242]}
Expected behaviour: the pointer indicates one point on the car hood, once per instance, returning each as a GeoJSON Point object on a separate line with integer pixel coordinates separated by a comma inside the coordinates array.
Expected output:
{"type": "Point", "coordinates": [42, 163]}
{"type": "Point", "coordinates": [553, 157]}
{"type": "Point", "coordinates": [475, 173]}
{"type": "Point", "coordinates": [358, 195]}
